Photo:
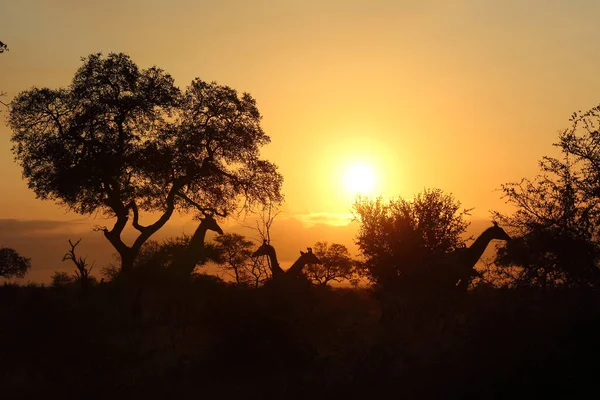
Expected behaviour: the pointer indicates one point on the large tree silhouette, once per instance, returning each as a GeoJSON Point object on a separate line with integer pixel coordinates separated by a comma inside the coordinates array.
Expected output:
{"type": "Point", "coordinates": [557, 217]}
{"type": "Point", "coordinates": [120, 140]}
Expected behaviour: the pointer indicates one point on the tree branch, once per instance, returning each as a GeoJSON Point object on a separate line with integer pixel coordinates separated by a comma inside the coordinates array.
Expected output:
{"type": "Point", "coordinates": [203, 210]}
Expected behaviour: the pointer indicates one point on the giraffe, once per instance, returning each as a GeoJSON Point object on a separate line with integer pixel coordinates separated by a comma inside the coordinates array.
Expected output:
{"type": "Point", "coordinates": [436, 280]}
{"type": "Point", "coordinates": [305, 258]}
{"type": "Point", "coordinates": [267, 250]}
{"type": "Point", "coordinates": [187, 261]}
{"type": "Point", "coordinates": [464, 260]}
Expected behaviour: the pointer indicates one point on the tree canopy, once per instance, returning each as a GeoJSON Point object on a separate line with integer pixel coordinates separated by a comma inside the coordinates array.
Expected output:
{"type": "Point", "coordinates": [235, 258]}
{"type": "Point", "coordinates": [336, 264]}
{"type": "Point", "coordinates": [12, 264]}
{"type": "Point", "coordinates": [557, 217]}
{"type": "Point", "coordinates": [400, 237]}
{"type": "Point", "coordinates": [120, 140]}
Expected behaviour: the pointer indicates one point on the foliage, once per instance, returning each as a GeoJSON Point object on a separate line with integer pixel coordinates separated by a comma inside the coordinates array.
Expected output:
{"type": "Point", "coordinates": [399, 238]}
{"type": "Point", "coordinates": [234, 256]}
{"type": "Point", "coordinates": [336, 264]}
{"type": "Point", "coordinates": [557, 217]}
{"type": "Point", "coordinates": [12, 264]}
{"type": "Point", "coordinates": [61, 279]}
{"type": "Point", "coordinates": [163, 253]}
{"type": "Point", "coordinates": [110, 272]}
{"type": "Point", "coordinates": [159, 258]}
{"type": "Point", "coordinates": [119, 140]}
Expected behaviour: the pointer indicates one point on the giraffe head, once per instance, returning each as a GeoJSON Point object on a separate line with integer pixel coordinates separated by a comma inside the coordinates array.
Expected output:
{"type": "Point", "coordinates": [498, 233]}
{"type": "Point", "coordinates": [309, 257]}
{"type": "Point", "coordinates": [211, 224]}
{"type": "Point", "coordinates": [264, 250]}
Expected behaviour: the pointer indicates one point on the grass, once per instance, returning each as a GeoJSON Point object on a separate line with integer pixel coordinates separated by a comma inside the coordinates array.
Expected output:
{"type": "Point", "coordinates": [206, 338]}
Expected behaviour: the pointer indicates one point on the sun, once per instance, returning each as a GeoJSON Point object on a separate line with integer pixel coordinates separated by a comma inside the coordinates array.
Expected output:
{"type": "Point", "coordinates": [360, 179]}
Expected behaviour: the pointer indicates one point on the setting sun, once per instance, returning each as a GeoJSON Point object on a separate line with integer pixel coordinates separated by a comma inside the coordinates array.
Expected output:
{"type": "Point", "coordinates": [360, 178]}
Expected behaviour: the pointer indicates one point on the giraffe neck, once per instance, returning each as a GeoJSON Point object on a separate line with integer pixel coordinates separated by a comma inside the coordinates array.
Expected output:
{"type": "Point", "coordinates": [194, 250]}
{"type": "Point", "coordinates": [275, 268]}
{"type": "Point", "coordinates": [197, 240]}
{"type": "Point", "coordinates": [296, 267]}
{"type": "Point", "coordinates": [474, 252]}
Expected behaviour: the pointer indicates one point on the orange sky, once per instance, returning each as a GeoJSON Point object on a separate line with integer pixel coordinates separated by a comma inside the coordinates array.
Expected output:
{"type": "Point", "coordinates": [461, 95]}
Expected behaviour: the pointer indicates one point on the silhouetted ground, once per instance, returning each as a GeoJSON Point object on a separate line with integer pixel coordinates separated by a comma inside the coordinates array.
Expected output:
{"type": "Point", "coordinates": [170, 340]}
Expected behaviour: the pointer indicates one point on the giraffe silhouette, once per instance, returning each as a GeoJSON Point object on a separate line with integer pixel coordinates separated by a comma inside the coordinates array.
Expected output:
{"type": "Point", "coordinates": [295, 270]}
{"type": "Point", "coordinates": [464, 260]}
{"type": "Point", "coordinates": [195, 250]}
{"type": "Point", "coordinates": [437, 278]}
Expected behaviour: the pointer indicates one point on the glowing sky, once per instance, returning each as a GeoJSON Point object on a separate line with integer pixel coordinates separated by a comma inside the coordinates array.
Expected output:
{"type": "Point", "coordinates": [460, 95]}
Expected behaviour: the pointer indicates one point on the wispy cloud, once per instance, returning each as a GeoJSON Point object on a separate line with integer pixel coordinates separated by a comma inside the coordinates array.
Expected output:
{"type": "Point", "coordinates": [333, 219]}
{"type": "Point", "coordinates": [34, 227]}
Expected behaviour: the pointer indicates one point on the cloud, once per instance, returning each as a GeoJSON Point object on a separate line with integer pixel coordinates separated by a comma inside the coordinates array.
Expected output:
{"type": "Point", "coordinates": [27, 228]}
{"type": "Point", "coordinates": [333, 219]}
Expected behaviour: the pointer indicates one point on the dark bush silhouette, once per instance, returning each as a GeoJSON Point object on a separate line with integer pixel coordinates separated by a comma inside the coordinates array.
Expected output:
{"type": "Point", "coordinates": [400, 238]}
{"type": "Point", "coordinates": [120, 140]}
{"type": "Point", "coordinates": [62, 279]}
{"type": "Point", "coordinates": [12, 264]}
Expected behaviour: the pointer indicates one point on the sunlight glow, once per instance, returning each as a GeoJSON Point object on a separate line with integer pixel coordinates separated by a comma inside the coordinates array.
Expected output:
{"type": "Point", "coordinates": [360, 178]}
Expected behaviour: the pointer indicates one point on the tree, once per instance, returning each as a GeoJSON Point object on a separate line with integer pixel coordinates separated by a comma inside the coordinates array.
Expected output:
{"type": "Point", "coordinates": [12, 264]}
{"type": "Point", "coordinates": [3, 48]}
{"type": "Point", "coordinates": [336, 264]}
{"type": "Point", "coordinates": [235, 252]}
{"type": "Point", "coordinates": [400, 239]}
{"type": "Point", "coordinates": [82, 270]}
{"type": "Point", "coordinates": [119, 140]}
{"type": "Point", "coordinates": [557, 217]}
{"type": "Point", "coordinates": [62, 279]}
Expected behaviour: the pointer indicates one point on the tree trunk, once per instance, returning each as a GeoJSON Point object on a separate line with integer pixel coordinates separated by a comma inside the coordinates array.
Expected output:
{"type": "Point", "coordinates": [237, 274]}
{"type": "Point", "coordinates": [127, 259]}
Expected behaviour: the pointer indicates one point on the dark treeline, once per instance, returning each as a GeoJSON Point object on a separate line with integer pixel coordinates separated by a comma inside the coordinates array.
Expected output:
{"type": "Point", "coordinates": [421, 314]}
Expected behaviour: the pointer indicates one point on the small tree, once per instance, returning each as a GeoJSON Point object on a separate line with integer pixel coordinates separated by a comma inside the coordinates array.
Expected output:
{"type": "Point", "coordinates": [401, 238]}
{"type": "Point", "coordinates": [234, 253]}
{"type": "Point", "coordinates": [12, 264]}
{"type": "Point", "coordinates": [336, 264]}
{"type": "Point", "coordinates": [258, 271]}
{"type": "Point", "coordinates": [82, 269]}
{"type": "Point", "coordinates": [234, 256]}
